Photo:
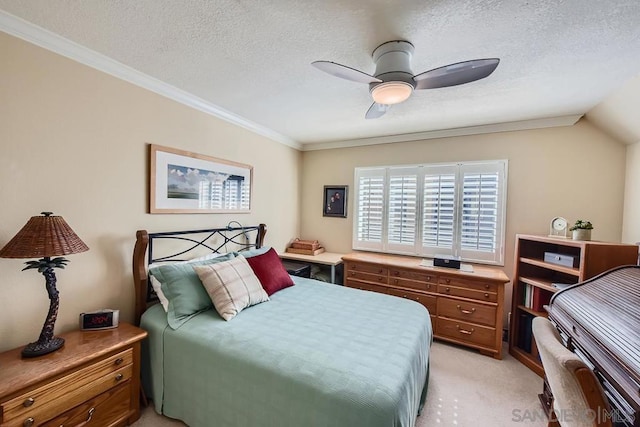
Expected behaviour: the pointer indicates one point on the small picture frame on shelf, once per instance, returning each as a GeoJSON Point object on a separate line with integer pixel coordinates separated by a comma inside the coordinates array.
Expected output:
{"type": "Point", "coordinates": [335, 201]}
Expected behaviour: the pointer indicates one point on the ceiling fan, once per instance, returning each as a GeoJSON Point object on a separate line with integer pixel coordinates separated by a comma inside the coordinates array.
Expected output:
{"type": "Point", "coordinates": [394, 82]}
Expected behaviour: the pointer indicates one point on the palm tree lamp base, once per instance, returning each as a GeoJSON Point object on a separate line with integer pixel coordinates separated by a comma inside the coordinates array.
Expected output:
{"type": "Point", "coordinates": [37, 348]}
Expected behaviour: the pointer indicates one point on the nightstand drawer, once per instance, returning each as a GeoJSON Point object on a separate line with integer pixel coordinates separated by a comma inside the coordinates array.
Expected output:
{"type": "Point", "coordinates": [61, 400]}
{"type": "Point", "coordinates": [101, 411]}
{"type": "Point", "coordinates": [70, 390]}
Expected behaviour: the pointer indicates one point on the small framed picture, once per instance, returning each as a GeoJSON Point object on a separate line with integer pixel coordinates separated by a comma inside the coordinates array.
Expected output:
{"type": "Point", "coordinates": [335, 201]}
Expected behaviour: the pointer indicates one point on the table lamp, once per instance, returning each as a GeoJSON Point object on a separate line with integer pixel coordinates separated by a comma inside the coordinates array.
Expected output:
{"type": "Point", "coordinates": [45, 236]}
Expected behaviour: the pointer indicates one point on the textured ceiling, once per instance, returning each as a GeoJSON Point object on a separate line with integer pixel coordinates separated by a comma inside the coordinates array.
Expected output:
{"type": "Point", "coordinates": [253, 58]}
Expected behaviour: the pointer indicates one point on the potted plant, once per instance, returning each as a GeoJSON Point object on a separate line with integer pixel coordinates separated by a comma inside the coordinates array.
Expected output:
{"type": "Point", "coordinates": [581, 230]}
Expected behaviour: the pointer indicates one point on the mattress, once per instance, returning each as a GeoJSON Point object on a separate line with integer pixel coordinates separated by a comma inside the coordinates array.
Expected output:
{"type": "Point", "coordinates": [316, 354]}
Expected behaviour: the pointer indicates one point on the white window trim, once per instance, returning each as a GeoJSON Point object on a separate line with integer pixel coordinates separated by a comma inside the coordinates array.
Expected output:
{"type": "Point", "coordinates": [496, 258]}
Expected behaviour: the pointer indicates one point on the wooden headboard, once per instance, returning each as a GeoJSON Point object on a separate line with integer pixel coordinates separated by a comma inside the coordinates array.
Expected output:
{"type": "Point", "coordinates": [181, 246]}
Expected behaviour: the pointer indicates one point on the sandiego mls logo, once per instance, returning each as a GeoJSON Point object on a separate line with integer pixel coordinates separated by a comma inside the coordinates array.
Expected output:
{"type": "Point", "coordinates": [582, 417]}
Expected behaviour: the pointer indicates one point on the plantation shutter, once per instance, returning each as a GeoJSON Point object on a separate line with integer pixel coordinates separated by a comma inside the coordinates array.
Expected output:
{"type": "Point", "coordinates": [439, 210]}
{"type": "Point", "coordinates": [402, 213]}
{"type": "Point", "coordinates": [428, 210]}
{"type": "Point", "coordinates": [481, 213]}
{"type": "Point", "coordinates": [369, 209]}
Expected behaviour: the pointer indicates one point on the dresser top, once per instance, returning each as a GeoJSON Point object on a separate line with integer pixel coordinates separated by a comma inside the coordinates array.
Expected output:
{"type": "Point", "coordinates": [479, 271]}
{"type": "Point", "coordinates": [79, 347]}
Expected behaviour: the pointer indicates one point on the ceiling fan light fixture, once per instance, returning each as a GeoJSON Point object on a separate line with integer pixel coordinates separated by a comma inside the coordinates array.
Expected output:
{"type": "Point", "coordinates": [389, 93]}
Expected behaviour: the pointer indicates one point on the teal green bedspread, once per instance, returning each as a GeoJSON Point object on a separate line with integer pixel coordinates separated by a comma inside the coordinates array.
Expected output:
{"type": "Point", "coordinates": [315, 355]}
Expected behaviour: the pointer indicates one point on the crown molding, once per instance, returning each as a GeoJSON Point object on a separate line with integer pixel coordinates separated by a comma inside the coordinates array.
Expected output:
{"type": "Point", "coordinates": [46, 39]}
{"type": "Point", "coordinates": [447, 133]}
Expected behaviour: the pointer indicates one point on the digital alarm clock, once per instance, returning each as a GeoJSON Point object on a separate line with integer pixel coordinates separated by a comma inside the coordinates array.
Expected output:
{"type": "Point", "coordinates": [103, 319]}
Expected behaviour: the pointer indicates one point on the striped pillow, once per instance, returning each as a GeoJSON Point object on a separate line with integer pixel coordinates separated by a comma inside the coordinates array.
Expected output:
{"type": "Point", "coordinates": [232, 286]}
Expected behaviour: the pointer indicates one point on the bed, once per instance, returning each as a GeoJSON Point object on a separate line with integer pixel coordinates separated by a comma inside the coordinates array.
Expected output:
{"type": "Point", "coordinates": [314, 354]}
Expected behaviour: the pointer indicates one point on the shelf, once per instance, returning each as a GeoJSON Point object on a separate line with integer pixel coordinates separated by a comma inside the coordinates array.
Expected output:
{"type": "Point", "coordinates": [555, 267]}
{"type": "Point", "coordinates": [533, 312]}
{"type": "Point", "coordinates": [540, 283]}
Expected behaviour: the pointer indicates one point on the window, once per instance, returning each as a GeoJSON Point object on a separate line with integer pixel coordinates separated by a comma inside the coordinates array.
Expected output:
{"type": "Point", "coordinates": [450, 209]}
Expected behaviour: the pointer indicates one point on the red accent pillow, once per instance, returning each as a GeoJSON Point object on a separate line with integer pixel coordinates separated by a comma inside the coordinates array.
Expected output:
{"type": "Point", "coordinates": [270, 271]}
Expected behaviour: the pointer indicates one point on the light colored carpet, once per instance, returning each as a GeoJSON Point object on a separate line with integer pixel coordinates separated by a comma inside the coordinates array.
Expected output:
{"type": "Point", "coordinates": [465, 389]}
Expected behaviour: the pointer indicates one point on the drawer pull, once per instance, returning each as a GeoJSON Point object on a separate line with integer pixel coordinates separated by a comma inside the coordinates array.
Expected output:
{"type": "Point", "coordinates": [353, 273]}
{"type": "Point", "coordinates": [428, 278]}
{"type": "Point", "coordinates": [395, 281]}
{"type": "Point", "coordinates": [89, 416]}
{"type": "Point", "coordinates": [380, 271]}
{"type": "Point", "coordinates": [119, 377]}
{"type": "Point", "coordinates": [464, 331]}
{"type": "Point", "coordinates": [473, 310]}
{"type": "Point", "coordinates": [447, 290]}
{"type": "Point", "coordinates": [486, 286]}
{"type": "Point", "coordinates": [28, 422]}
{"type": "Point", "coordinates": [486, 295]}
{"type": "Point", "coordinates": [380, 279]}
{"type": "Point", "coordinates": [28, 402]}
{"type": "Point", "coordinates": [119, 361]}
{"type": "Point", "coordinates": [396, 273]}
{"type": "Point", "coordinates": [428, 286]}
{"type": "Point", "coordinates": [447, 280]}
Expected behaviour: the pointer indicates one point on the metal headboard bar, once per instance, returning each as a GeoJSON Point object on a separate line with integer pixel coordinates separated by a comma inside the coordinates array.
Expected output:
{"type": "Point", "coordinates": [222, 232]}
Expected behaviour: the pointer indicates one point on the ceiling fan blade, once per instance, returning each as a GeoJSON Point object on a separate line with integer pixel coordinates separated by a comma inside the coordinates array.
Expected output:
{"type": "Point", "coordinates": [456, 74]}
{"type": "Point", "coordinates": [345, 72]}
{"type": "Point", "coordinates": [376, 110]}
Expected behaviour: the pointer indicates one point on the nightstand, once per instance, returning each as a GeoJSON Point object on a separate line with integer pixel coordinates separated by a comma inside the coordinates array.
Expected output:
{"type": "Point", "coordinates": [94, 380]}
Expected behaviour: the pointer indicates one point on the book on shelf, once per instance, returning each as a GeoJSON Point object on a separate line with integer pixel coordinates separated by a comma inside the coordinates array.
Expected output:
{"type": "Point", "coordinates": [535, 298]}
{"type": "Point", "coordinates": [525, 336]}
{"type": "Point", "coordinates": [541, 298]}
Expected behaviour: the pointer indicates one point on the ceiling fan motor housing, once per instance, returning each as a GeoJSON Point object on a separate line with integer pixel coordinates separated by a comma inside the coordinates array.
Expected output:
{"type": "Point", "coordinates": [393, 63]}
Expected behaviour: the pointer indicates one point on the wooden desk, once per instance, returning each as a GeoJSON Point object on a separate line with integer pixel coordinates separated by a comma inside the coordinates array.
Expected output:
{"type": "Point", "coordinates": [325, 258]}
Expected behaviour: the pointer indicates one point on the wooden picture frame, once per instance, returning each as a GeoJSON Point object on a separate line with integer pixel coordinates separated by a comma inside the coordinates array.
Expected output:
{"type": "Point", "coordinates": [185, 182]}
{"type": "Point", "coordinates": [335, 201]}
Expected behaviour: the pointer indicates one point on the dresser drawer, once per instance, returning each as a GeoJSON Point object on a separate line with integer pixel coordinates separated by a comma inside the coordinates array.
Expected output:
{"type": "Point", "coordinates": [468, 293]}
{"type": "Point", "coordinates": [477, 285]}
{"type": "Point", "coordinates": [430, 302]}
{"type": "Point", "coordinates": [466, 332]}
{"type": "Point", "coordinates": [414, 284]}
{"type": "Point", "coordinates": [101, 411]}
{"type": "Point", "coordinates": [62, 398]}
{"type": "Point", "coordinates": [366, 268]}
{"type": "Point", "coordinates": [467, 311]}
{"type": "Point", "coordinates": [366, 277]}
{"type": "Point", "coordinates": [413, 275]}
{"type": "Point", "coordinates": [366, 286]}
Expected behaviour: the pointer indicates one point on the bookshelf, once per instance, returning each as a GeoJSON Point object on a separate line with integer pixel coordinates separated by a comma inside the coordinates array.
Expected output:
{"type": "Point", "coordinates": [534, 279]}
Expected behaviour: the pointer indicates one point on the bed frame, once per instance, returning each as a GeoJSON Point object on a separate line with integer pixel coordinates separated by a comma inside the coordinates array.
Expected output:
{"type": "Point", "coordinates": [214, 240]}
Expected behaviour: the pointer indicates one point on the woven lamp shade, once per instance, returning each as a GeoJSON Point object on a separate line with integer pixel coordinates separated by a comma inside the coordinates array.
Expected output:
{"type": "Point", "coordinates": [44, 236]}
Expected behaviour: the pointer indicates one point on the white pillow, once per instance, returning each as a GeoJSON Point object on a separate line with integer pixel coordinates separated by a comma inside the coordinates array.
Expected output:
{"type": "Point", "coordinates": [232, 286]}
{"type": "Point", "coordinates": [156, 285]}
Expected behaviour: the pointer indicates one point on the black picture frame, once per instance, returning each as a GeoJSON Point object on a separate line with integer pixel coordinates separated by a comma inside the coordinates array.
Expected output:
{"type": "Point", "coordinates": [335, 201]}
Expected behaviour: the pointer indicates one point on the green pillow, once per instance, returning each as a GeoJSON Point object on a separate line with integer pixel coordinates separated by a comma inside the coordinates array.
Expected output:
{"type": "Point", "coordinates": [183, 289]}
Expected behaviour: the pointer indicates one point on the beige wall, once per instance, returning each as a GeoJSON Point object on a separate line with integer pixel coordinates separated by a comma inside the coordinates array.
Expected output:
{"type": "Point", "coordinates": [73, 141]}
{"type": "Point", "coordinates": [574, 172]}
{"type": "Point", "coordinates": [631, 228]}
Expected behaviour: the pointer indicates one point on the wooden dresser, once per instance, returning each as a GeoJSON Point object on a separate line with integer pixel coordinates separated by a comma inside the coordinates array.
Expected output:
{"type": "Point", "coordinates": [94, 380]}
{"type": "Point", "coordinates": [466, 307]}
